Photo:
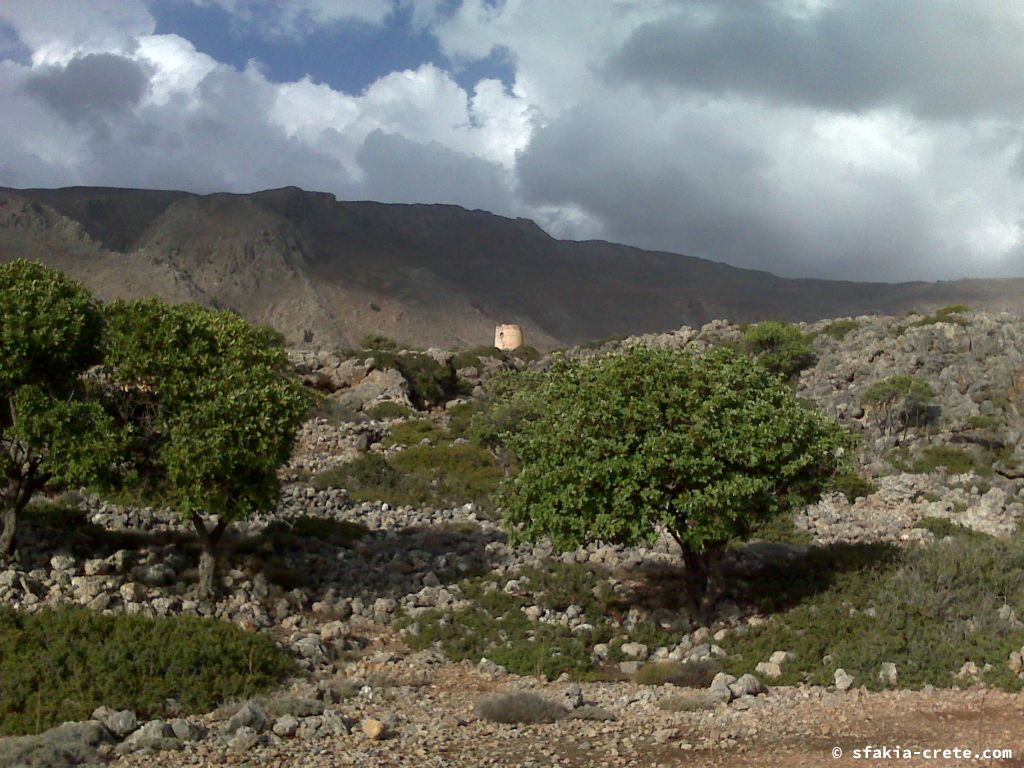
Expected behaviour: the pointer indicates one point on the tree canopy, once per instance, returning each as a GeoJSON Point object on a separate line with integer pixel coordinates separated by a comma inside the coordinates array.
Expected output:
{"type": "Point", "coordinates": [211, 409]}
{"type": "Point", "coordinates": [50, 334]}
{"type": "Point", "coordinates": [621, 448]}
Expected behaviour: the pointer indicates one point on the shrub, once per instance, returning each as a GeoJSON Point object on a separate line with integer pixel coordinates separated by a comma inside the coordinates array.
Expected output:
{"type": "Point", "coordinates": [473, 358]}
{"type": "Point", "coordinates": [690, 701]}
{"type": "Point", "coordinates": [927, 610]}
{"type": "Point", "coordinates": [689, 674]}
{"type": "Point", "coordinates": [954, 460]}
{"type": "Point", "coordinates": [950, 314]}
{"type": "Point", "coordinates": [852, 484]}
{"type": "Point", "coordinates": [370, 470]}
{"type": "Point", "coordinates": [619, 448]}
{"type": "Point", "coordinates": [413, 432]}
{"type": "Point", "coordinates": [389, 410]}
{"type": "Point", "coordinates": [59, 665]}
{"type": "Point", "coordinates": [839, 329]}
{"type": "Point", "coordinates": [942, 527]}
{"type": "Point", "coordinates": [376, 341]}
{"type": "Point", "coordinates": [460, 417]}
{"type": "Point", "coordinates": [526, 354]}
{"type": "Point", "coordinates": [984, 422]}
{"type": "Point", "coordinates": [780, 347]}
{"type": "Point", "coordinates": [525, 708]}
{"type": "Point", "coordinates": [900, 403]}
{"type": "Point", "coordinates": [435, 475]}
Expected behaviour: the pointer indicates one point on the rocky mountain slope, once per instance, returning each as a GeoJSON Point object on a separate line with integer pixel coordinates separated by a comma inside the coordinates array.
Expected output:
{"type": "Point", "coordinates": [326, 272]}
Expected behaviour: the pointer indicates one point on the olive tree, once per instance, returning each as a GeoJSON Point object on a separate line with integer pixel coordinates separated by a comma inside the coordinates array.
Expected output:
{"type": "Point", "coordinates": [212, 411]}
{"type": "Point", "coordinates": [50, 334]}
{"type": "Point", "coordinates": [624, 447]}
{"type": "Point", "coordinates": [899, 403]}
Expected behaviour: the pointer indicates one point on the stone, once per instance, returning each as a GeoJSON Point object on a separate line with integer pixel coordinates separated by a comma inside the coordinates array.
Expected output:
{"type": "Point", "coordinates": [769, 669]}
{"type": "Point", "coordinates": [186, 730]}
{"type": "Point", "coordinates": [286, 727]}
{"type": "Point", "coordinates": [488, 667]}
{"type": "Point", "coordinates": [244, 739]}
{"type": "Point", "coordinates": [132, 592]}
{"type": "Point", "coordinates": [250, 715]}
{"type": "Point", "coordinates": [888, 674]}
{"type": "Point", "coordinates": [62, 563]}
{"type": "Point", "coordinates": [747, 685]}
{"type": "Point", "coordinates": [781, 657]}
{"type": "Point", "coordinates": [1016, 662]}
{"type": "Point", "coordinates": [373, 729]}
{"type": "Point", "coordinates": [122, 724]}
{"type": "Point", "coordinates": [155, 574]}
{"type": "Point", "coordinates": [573, 696]}
{"type": "Point", "coordinates": [634, 650]}
{"type": "Point", "coordinates": [843, 680]}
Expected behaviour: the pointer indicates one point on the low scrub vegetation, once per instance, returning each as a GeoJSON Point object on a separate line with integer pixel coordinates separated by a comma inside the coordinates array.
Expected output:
{"type": "Point", "coordinates": [687, 674]}
{"type": "Point", "coordinates": [840, 329]}
{"type": "Point", "coordinates": [497, 628]}
{"type": "Point", "coordinates": [780, 347]}
{"type": "Point", "coordinates": [59, 665]}
{"type": "Point", "coordinates": [926, 610]}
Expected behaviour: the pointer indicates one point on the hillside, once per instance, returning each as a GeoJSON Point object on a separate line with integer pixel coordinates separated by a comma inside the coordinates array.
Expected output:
{"type": "Point", "coordinates": [326, 272]}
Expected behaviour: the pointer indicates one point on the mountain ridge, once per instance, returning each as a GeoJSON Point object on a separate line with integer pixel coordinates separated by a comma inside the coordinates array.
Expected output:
{"type": "Point", "coordinates": [326, 272]}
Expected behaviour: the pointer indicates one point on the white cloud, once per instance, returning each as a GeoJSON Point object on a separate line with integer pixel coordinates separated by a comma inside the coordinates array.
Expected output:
{"type": "Point", "coordinates": [297, 18]}
{"type": "Point", "coordinates": [856, 176]}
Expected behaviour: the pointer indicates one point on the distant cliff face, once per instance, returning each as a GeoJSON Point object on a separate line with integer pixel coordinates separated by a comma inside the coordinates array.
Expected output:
{"type": "Point", "coordinates": [326, 273]}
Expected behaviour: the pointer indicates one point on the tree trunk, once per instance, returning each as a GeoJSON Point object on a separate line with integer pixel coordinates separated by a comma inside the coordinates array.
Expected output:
{"type": "Point", "coordinates": [701, 579]}
{"type": "Point", "coordinates": [8, 518]}
{"type": "Point", "coordinates": [208, 539]}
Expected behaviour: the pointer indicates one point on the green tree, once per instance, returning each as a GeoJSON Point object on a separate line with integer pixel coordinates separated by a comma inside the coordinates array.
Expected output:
{"type": "Point", "coordinates": [780, 347]}
{"type": "Point", "coordinates": [212, 409]}
{"type": "Point", "coordinates": [50, 334]}
{"type": "Point", "coordinates": [621, 448]}
{"type": "Point", "coordinates": [899, 403]}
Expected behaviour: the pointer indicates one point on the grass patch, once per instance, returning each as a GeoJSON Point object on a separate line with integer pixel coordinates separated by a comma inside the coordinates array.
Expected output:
{"type": "Point", "coordinates": [942, 527]}
{"type": "Point", "coordinates": [852, 485]}
{"type": "Point", "coordinates": [59, 665]}
{"type": "Point", "coordinates": [687, 674]}
{"type": "Point", "coordinates": [984, 422]}
{"type": "Point", "coordinates": [497, 628]}
{"type": "Point", "coordinates": [951, 314]}
{"type": "Point", "coordinates": [414, 432]}
{"type": "Point", "coordinates": [839, 329]}
{"type": "Point", "coordinates": [927, 610]}
{"type": "Point", "coordinates": [423, 475]}
{"type": "Point", "coordinates": [780, 529]}
{"type": "Point", "coordinates": [389, 410]}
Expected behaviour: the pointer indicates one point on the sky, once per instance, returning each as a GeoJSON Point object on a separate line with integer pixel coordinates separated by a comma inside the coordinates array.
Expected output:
{"type": "Point", "coordinates": [849, 139]}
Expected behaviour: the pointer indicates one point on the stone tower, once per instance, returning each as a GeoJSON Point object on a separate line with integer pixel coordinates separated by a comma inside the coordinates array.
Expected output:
{"type": "Point", "coordinates": [508, 337]}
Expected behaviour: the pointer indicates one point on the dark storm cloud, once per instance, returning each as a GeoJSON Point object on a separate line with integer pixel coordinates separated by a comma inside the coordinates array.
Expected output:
{"type": "Point", "coordinates": [661, 186]}
{"type": "Point", "coordinates": [98, 84]}
{"type": "Point", "coordinates": [402, 171]}
{"type": "Point", "coordinates": [936, 58]}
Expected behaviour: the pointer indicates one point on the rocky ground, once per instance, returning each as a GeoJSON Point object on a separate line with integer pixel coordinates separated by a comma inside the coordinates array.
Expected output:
{"type": "Point", "coordinates": [369, 700]}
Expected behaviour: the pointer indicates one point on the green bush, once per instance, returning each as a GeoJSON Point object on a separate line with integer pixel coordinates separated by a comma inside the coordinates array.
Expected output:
{"type": "Point", "coordinates": [927, 610]}
{"type": "Point", "coordinates": [780, 347]}
{"type": "Point", "coordinates": [942, 527]}
{"type": "Point", "coordinates": [413, 432]}
{"type": "Point", "coordinates": [839, 329]}
{"type": "Point", "coordinates": [688, 674]}
{"type": "Point", "coordinates": [59, 665]}
{"type": "Point", "coordinates": [984, 422]}
{"type": "Point", "coordinates": [370, 470]}
{"type": "Point", "coordinates": [441, 475]}
{"type": "Point", "coordinates": [950, 314]}
{"type": "Point", "coordinates": [460, 417]}
{"type": "Point", "coordinates": [389, 410]}
{"type": "Point", "coordinates": [852, 484]}
{"type": "Point", "coordinates": [376, 341]}
{"type": "Point", "coordinates": [954, 460]}
{"type": "Point", "coordinates": [526, 354]}
{"type": "Point", "coordinates": [473, 358]}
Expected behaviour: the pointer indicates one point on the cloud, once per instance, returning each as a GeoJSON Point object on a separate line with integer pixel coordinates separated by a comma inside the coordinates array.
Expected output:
{"type": "Point", "coordinates": [842, 138]}
{"type": "Point", "coordinates": [398, 170]}
{"type": "Point", "coordinates": [298, 18]}
{"type": "Point", "coordinates": [935, 58]}
{"type": "Point", "coordinates": [100, 84]}
{"type": "Point", "coordinates": [57, 30]}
